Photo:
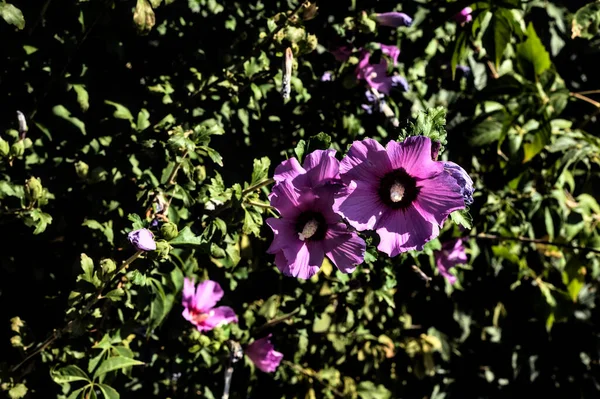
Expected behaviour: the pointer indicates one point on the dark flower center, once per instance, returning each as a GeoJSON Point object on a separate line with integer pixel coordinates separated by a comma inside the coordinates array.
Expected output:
{"type": "Point", "coordinates": [311, 226]}
{"type": "Point", "coordinates": [398, 189]}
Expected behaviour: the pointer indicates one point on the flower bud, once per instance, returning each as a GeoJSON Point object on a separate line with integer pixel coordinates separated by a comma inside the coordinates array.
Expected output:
{"type": "Point", "coordinates": [27, 143]}
{"type": "Point", "coordinates": [163, 248]}
{"type": "Point", "coordinates": [169, 231]}
{"type": "Point", "coordinates": [142, 240]}
{"type": "Point", "coordinates": [4, 147]}
{"type": "Point", "coordinates": [34, 189]}
{"type": "Point", "coordinates": [82, 169]}
{"type": "Point", "coordinates": [393, 19]}
{"type": "Point", "coordinates": [17, 149]}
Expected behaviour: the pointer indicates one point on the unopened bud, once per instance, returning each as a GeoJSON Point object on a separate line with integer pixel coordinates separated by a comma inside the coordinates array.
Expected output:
{"type": "Point", "coordinates": [22, 125]}
{"type": "Point", "coordinates": [163, 248]}
{"type": "Point", "coordinates": [169, 231]}
{"type": "Point", "coordinates": [34, 189]}
{"type": "Point", "coordinates": [17, 149]}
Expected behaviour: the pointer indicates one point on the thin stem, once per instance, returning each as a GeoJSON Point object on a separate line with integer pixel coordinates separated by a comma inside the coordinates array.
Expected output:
{"type": "Point", "coordinates": [586, 99]}
{"type": "Point", "coordinates": [173, 175]}
{"type": "Point", "coordinates": [312, 374]}
{"type": "Point", "coordinates": [257, 186]}
{"type": "Point", "coordinates": [589, 92]}
{"type": "Point", "coordinates": [535, 241]}
{"type": "Point", "coordinates": [228, 376]}
{"type": "Point", "coordinates": [278, 320]}
{"type": "Point", "coordinates": [259, 204]}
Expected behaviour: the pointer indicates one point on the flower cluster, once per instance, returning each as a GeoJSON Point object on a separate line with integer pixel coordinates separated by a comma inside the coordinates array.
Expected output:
{"type": "Point", "coordinates": [400, 191]}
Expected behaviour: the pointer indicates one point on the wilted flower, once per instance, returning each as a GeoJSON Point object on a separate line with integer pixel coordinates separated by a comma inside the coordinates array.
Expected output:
{"type": "Point", "coordinates": [199, 305]}
{"type": "Point", "coordinates": [463, 179]}
{"type": "Point", "coordinates": [393, 19]}
{"type": "Point", "coordinates": [142, 240]}
{"type": "Point", "coordinates": [308, 229]}
{"type": "Point", "coordinates": [464, 16]}
{"type": "Point", "coordinates": [399, 191]}
{"type": "Point", "coordinates": [452, 254]}
{"type": "Point", "coordinates": [263, 354]}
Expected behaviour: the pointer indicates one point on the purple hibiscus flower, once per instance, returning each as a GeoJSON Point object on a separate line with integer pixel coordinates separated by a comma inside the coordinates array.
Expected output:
{"type": "Point", "coordinates": [308, 229]}
{"type": "Point", "coordinates": [393, 19]}
{"type": "Point", "coordinates": [374, 100]}
{"type": "Point", "coordinates": [199, 305]}
{"type": "Point", "coordinates": [452, 254]}
{"type": "Point", "coordinates": [464, 16]}
{"type": "Point", "coordinates": [374, 74]}
{"type": "Point", "coordinates": [263, 354]}
{"type": "Point", "coordinates": [392, 51]}
{"type": "Point", "coordinates": [399, 191]}
{"type": "Point", "coordinates": [142, 240]}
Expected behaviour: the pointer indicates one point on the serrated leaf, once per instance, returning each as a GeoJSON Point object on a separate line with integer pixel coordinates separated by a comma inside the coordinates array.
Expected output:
{"type": "Point", "coordinates": [300, 149]}
{"type": "Point", "coordinates": [586, 21]}
{"type": "Point", "coordinates": [115, 363]}
{"type": "Point", "coordinates": [462, 218]}
{"type": "Point", "coordinates": [68, 374]}
{"type": "Point", "coordinates": [260, 171]}
{"type": "Point", "coordinates": [18, 391]}
{"type": "Point", "coordinates": [187, 237]}
{"type": "Point", "coordinates": [368, 390]}
{"type": "Point", "coordinates": [12, 15]}
{"type": "Point", "coordinates": [429, 123]}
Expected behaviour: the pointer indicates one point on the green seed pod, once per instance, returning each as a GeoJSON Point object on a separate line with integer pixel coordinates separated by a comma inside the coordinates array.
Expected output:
{"type": "Point", "coordinates": [163, 248]}
{"type": "Point", "coordinates": [34, 189]}
{"type": "Point", "coordinates": [169, 231]}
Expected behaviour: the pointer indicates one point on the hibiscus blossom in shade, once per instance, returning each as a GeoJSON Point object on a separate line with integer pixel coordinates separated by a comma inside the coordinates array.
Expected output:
{"type": "Point", "coordinates": [392, 51]}
{"type": "Point", "coordinates": [399, 191]}
{"type": "Point", "coordinates": [142, 240]}
{"type": "Point", "coordinates": [199, 305]}
{"type": "Point", "coordinates": [393, 19]}
{"type": "Point", "coordinates": [374, 74]}
{"type": "Point", "coordinates": [263, 354]}
{"type": "Point", "coordinates": [452, 254]}
{"type": "Point", "coordinates": [464, 16]}
{"type": "Point", "coordinates": [308, 229]}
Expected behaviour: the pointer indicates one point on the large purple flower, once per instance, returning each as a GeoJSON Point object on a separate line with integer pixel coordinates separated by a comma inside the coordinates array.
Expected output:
{"type": "Point", "coordinates": [199, 305]}
{"type": "Point", "coordinates": [308, 229]}
{"type": "Point", "coordinates": [263, 354]}
{"type": "Point", "coordinates": [399, 191]}
{"type": "Point", "coordinates": [452, 254]}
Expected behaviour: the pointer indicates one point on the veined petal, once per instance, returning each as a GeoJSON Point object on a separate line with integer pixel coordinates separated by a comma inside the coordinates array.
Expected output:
{"type": "Point", "coordinates": [344, 248]}
{"type": "Point", "coordinates": [414, 156]}
{"type": "Point", "coordinates": [284, 234]}
{"type": "Point", "coordinates": [285, 197]}
{"type": "Point", "coordinates": [217, 317]}
{"type": "Point", "coordinates": [438, 197]}
{"type": "Point", "coordinates": [359, 203]}
{"type": "Point", "coordinates": [321, 167]}
{"type": "Point", "coordinates": [303, 261]}
{"type": "Point", "coordinates": [188, 292]}
{"type": "Point", "coordinates": [366, 160]}
{"type": "Point", "coordinates": [288, 170]}
{"type": "Point", "coordinates": [208, 293]}
{"type": "Point", "coordinates": [263, 354]}
{"type": "Point", "coordinates": [404, 230]}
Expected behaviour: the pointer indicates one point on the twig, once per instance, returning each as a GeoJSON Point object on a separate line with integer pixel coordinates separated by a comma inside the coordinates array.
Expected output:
{"type": "Point", "coordinates": [259, 204]}
{"type": "Point", "coordinates": [535, 241]}
{"type": "Point", "coordinates": [586, 99]}
{"type": "Point", "coordinates": [312, 374]}
{"type": "Point", "coordinates": [589, 92]}
{"type": "Point", "coordinates": [57, 333]}
{"type": "Point", "coordinates": [278, 320]}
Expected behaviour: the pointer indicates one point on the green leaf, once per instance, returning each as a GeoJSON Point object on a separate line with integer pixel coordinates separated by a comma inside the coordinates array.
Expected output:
{"type": "Point", "coordinates": [108, 391]}
{"type": "Point", "coordinates": [429, 123]}
{"type": "Point", "coordinates": [83, 97]}
{"type": "Point", "coordinates": [143, 120]}
{"type": "Point", "coordinates": [187, 237]}
{"type": "Point", "coordinates": [62, 112]}
{"type": "Point", "coordinates": [540, 138]}
{"type": "Point", "coordinates": [137, 221]}
{"type": "Point", "coordinates": [252, 222]}
{"type": "Point", "coordinates": [115, 295]}
{"type": "Point", "coordinates": [586, 21]}
{"type": "Point", "coordinates": [18, 391]}
{"type": "Point", "coordinates": [12, 15]}
{"type": "Point", "coordinates": [260, 171]}
{"type": "Point", "coordinates": [143, 16]}
{"type": "Point", "coordinates": [462, 218]}
{"type": "Point", "coordinates": [87, 265]}
{"type": "Point", "coordinates": [368, 390]}
{"type": "Point", "coordinates": [116, 363]}
{"type": "Point", "coordinates": [321, 141]}
{"type": "Point", "coordinates": [68, 374]}
{"type": "Point", "coordinates": [532, 56]}
{"type": "Point", "coordinates": [38, 219]}
{"type": "Point", "coordinates": [497, 35]}
{"type": "Point", "coordinates": [121, 112]}
{"type": "Point", "coordinates": [574, 287]}
{"type": "Point", "coordinates": [300, 149]}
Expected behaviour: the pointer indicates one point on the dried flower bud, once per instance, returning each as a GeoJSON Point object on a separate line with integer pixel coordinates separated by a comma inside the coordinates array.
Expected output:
{"type": "Point", "coordinates": [288, 63]}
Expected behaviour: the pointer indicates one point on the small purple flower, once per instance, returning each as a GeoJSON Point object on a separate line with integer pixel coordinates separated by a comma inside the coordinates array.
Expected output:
{"type": "Point", "coordinates": [464, 16]}
{"type": "Point", "coordinates": [326, 76]}
{"type": "Point", "coordinates": [463, 179]}
{"type": "Point", "coordinates": [399, 191]}
{"type": "Point", "coordinates": [392, 51]}
{"type": "Point", "coordinates": [373, 100]}
{"type": "Point", "coordinates": [399, 81]}
{"type": "Point", "coordinates": [263, 354]}
{"type": "Point", "coordinates": [466, 71]}
{"type": "Point", "coordinates": [452, 254]}
{"type": "Point", "coordinates": [308, 229]}
{"type": "Point", "coordinates": [199, 305]}
{"type": "Point", "coordinates": [142, 240]}
{"type": "Point", "coordinates": [393, 19]}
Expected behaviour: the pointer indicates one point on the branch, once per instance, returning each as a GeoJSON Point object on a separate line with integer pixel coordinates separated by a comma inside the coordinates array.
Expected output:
{"type": "Point", "coordinates": [535, 241]}
{"type": "Point", "coordinates": [312, 374]}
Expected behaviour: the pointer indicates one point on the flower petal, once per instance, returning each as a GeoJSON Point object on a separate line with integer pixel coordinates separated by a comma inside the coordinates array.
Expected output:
{"type": "Point", "coordinates": [285, 197]}
{"type": "Point", "coordinates": [366, 160]}
{"type": "Point", "coordinates": [208, 294]}
{"type": "Point", "coordinates": [284, 234]}
{"type": "Point", "coordinates": [404, 230]}
{"type": "Point", "coordinates": [288, 170]}
{"type": "Point", "coordinates": [344, 248]}
{"type": "Point", "coordinates": [217, 317]}
{"type": "Point", "coordinates": [142, 240]}
{"type": "Point", "coordinates": [359, 203]}
{"type": "Point", "coordinates": [188, 292]}
{"type": "Point", "coordinates": [321, 167]}
{"type": "Point", "coordinates": [263, 354]}
{"type": "Point", "coordinates": [414, 156]}
{"type": "Point", "coordinates": [390, 50]}
{"type": "Point", "coordinates": [463, 179]}
{"type": "Point", "coordinates": [303, 259]}
{"type": "Point", "coordinates": [438, 197]}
